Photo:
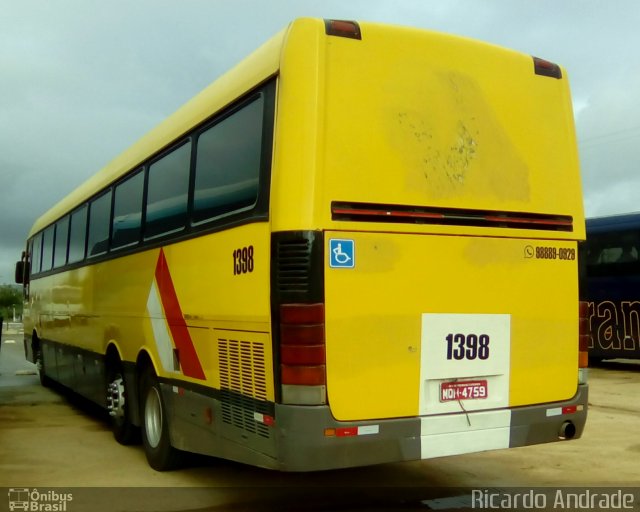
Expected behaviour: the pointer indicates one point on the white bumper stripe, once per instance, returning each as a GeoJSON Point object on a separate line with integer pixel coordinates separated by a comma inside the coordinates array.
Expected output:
{"type": "Point", "coordinates": [441, 436]}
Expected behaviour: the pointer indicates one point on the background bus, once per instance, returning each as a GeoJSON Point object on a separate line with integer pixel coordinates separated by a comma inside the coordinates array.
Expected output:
{"type": "Point", "coordinates": [611, 285]}
{"type": "Point", "coordinates": [351, 249]}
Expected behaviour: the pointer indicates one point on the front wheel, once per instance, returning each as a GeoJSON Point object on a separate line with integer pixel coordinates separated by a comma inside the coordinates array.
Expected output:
{"type": "Point", "coordinates": [44, 380]}
{"type": "Point", "coordinates": [155, 428]}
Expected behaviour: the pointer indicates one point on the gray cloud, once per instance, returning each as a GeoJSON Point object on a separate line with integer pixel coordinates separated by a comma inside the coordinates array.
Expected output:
{"type": "Point", "coordinates": [609, 133]}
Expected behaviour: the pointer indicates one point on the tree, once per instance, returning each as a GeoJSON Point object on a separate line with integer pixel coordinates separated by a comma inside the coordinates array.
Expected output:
{"type": "Point", "coordinates": [10, 297]}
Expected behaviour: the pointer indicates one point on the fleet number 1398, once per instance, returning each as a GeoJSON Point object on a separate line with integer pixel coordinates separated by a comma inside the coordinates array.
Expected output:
{"type": "Point", "coordinates": [467, 346]}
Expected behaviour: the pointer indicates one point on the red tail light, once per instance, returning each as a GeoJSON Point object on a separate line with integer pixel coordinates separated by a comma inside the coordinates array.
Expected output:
{"type": "Point", "coordinates": [303, 375]}
{"type": "Point", "coordinates": [302, 345]}
{"type": "Point", "coordinates": [302, 355]}
{"type": "Point", "coordinates": [291, 334]}
{"type": "Point", "coordinates": [583, 333]}
{"type": "Point", "coordinates": [302, 313]}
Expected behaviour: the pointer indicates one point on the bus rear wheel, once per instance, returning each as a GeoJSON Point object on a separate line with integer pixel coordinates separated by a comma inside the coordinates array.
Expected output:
{"type": "Point", "coordinates": [155, 428]}
{"type": "Point", "coordinates": [124, 431]}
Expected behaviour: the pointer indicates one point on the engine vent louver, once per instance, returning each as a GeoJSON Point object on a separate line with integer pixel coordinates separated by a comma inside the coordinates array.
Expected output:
{"type": "Point", "coordinates": [297, 267]}
{"type": "Point", "coordinates": [243, 384]}
{"type": "Point", "coordinates": [294, 260]}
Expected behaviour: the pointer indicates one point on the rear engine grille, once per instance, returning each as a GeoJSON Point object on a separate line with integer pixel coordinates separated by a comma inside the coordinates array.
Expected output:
{"type": "Point", "coordinates": [243, 384]}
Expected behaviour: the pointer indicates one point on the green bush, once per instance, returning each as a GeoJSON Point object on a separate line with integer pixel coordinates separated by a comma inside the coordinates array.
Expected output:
{"type": "Point", "coordinates": [10, 297]}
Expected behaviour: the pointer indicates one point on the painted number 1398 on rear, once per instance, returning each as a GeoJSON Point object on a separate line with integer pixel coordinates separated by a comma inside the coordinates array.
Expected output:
{"type": "Point", "coordinates": [467, 346]}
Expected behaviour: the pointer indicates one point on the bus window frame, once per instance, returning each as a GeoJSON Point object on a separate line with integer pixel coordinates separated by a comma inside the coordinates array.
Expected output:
{"type": "Point", "coordinates": [64, 218]}
{"type": "Point", "coordinates": [258, 213]}
{"type": "Point", "coordinates": [204, 129]}
{"type": "Point", "coordinates": [103, 194]}
{"type": "Point", "coordinates": [141, 171]}
{"type": "Point", "coordinates": [617, 268]}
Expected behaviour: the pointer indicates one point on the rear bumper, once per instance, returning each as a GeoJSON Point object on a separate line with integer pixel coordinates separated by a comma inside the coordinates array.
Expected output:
{"type": "Point", "coordinates": [303, 446]}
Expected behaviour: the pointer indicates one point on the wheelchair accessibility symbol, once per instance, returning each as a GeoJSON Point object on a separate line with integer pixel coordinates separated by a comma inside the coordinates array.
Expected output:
{"type": "Point", "coordinates": [341, 253]}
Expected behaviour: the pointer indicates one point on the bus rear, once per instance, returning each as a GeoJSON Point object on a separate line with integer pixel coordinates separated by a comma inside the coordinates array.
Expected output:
{"type": "Point", "coordinates": [424, 278]}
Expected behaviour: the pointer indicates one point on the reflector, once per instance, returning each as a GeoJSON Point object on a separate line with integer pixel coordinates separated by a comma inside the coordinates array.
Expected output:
{"type": "Point", "coordinates": [303, 375]}
{"type": "Point", "coordinates": [346, 431]}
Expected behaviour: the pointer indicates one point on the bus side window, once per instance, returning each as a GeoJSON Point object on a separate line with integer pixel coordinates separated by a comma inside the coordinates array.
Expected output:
{"type": "Point", "coordinates": [228, 164]}
{"type": "Point", "coordinates": [613, 254]}
{"type": "Point", "coordinates": [628, 252]}
{"type": "Point", "coordinates": [62, 238]}
{"type": "Point", "coordinates": [78, 234]}
{"type": "Point", "coordinates": [37, 254]}
{"type": "Point", "coordinates": [99, 215]}
{"type": "Point", "coordinates": [167, 193]}
{"type": "Point", "coordinates": [127, 212]}
{"type": "Point", "coordinates": [47, 249]}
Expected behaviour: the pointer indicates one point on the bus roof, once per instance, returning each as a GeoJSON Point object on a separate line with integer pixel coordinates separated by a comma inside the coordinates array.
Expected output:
{"type": "Point", "coordinates": [617, 222]}
{"type": "Point", "coordinates": [512, 184]}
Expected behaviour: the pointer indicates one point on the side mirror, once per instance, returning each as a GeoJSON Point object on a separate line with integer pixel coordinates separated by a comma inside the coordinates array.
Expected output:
{"type": "Point", "coordinates": [20, 272]}
{"type": "Point", "coordinates": [23, 269]}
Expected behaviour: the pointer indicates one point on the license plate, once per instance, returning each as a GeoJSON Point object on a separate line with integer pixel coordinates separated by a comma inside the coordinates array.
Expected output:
{"type": "Point", "coordinates": [468, 390]}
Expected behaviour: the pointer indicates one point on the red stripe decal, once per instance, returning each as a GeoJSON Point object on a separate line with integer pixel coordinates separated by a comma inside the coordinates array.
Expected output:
{"type": "Point", "coordinates": [189, 361]}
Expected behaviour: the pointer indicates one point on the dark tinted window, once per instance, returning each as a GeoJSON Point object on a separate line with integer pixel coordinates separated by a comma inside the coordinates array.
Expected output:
{"type": "Point", "coordinates": [228, 164]}
{"type": "Point", "coordinates": [99, 214]}
{"type": "Point", "coordinates": [127, 212]}
{"type": "Point", "coordinates": [62, 237]}
{"type": "Point", "coordinates": [167, 193]}
{"type": "Point", "coordinates": [78, 234]}
{"type": "Point", "coordinates": [613, 254]}
{"type": "Point", "coordinates": [36, 256]}
{"type": "Point", "coordinates": [47, 249]}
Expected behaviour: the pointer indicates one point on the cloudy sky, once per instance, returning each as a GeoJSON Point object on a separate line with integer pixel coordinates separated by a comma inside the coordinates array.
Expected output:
{"type": "Point", "coordinates": [81, 80]}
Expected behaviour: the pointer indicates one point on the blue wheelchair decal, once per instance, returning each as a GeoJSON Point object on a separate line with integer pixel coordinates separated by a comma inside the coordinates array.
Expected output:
{"type": "Point", "coordinates": [341, 253]}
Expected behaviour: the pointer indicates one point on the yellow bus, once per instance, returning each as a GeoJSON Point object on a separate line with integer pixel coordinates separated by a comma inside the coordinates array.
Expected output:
{"type": "Point", "coordinates": [358, 246]}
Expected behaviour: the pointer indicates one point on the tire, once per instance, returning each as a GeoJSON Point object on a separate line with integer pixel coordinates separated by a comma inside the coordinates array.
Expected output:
{"type": "Point", "coordinates": [44, 380]}
{"type": "Point", "coordinates": [155, 428]}
{"type": "Point", "coordinates": [124, 431]}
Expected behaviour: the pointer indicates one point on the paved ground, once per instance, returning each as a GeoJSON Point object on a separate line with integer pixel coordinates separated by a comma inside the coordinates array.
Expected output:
{"type": "Point", "coordinates": [48, 439]}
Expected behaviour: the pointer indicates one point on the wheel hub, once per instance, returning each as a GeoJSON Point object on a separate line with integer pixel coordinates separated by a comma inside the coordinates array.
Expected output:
{"type": "Point", "coordinates": [153, 417]}
{"type": "Point", "coordinates": [115, 398]}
